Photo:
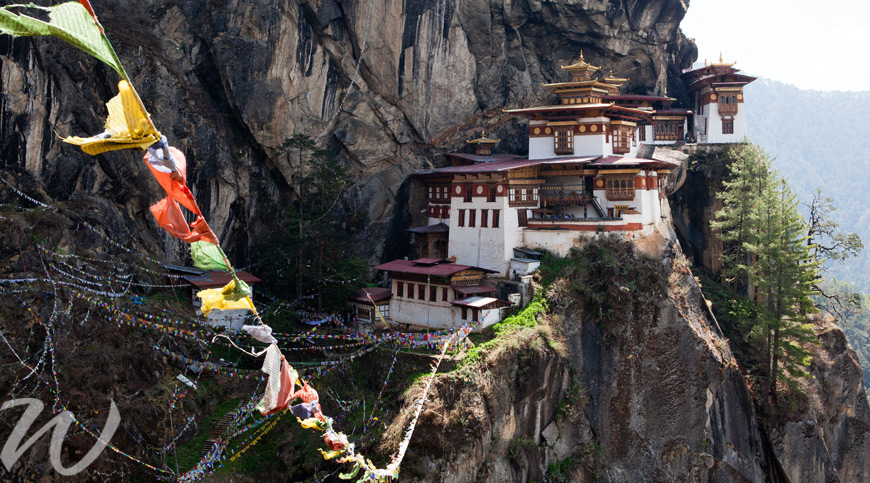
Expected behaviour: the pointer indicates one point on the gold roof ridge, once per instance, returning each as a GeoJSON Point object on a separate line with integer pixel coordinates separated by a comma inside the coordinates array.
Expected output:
{"type": "Point", "coordinates": [581, 64]}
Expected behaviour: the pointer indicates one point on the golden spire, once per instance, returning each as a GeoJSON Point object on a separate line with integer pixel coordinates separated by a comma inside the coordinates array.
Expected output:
{"type": "Point", "coordinates": [720, 57]}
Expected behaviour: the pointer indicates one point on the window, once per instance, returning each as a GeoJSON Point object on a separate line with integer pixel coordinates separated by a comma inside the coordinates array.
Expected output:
{"type": "Point", "coordinates": [641, 133]}
{"type": "Point", "coordinates": [410, 290]}
{"type": "Point", "coordinates": [421, 291]}
{"type": "Point", "coordinates": [668, 130]}
{"type": "Point", "coordinates": [444, 294]}
{"type": "Point", "coordinates": [400, 289]}
{"type": "Point", "coordinates": [433, 294]}
{"type": "Point", "coordinates": [385, 311]}
{"type": "Point", "coordinates": [495, 214]}
{"type": "Point", "coordinates": [464, 313]}
{"type": "Point", "coordinates": [522, 218]}
{"type": "Point", "coordinates": [467, 193]}
{"type": "Point", "coordinates": [621, 136]}
{"type": "Point", "coordinates": [472, 218]}
{"type": "Point", "coordinates": [621, 188]}
{"type": "Point", "coordinates": [727, 126]}
{"type": "Point", "coordinates": [484, 218]}
{"type": "Point", "coordinates": [564, 140]}
{"type": "Point", "coordinates": [728, 105]}
{"type": "Point", "coordinates": [490, 193]}
{"type": "Point", "coordinates": [523, 197]}
{"type": "Point", "coordinates": [461, 220]}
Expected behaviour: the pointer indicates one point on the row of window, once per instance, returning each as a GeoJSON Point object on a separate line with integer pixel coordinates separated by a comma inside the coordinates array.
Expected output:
{"type": "Point", "coordinates": [441, 212]}
{"type": "Point", "coordinates": [620, 188]}
{"type": "Point", "coordinates": [418, 291]}
{"type": "Point", "coordinates": [668, 131]}
{"type": "Point", "coordinates": [439, 193]}
{"type": "Point", "coordinates": [485, 220]}
{"type": "Point", "coordinates": [467, 192]}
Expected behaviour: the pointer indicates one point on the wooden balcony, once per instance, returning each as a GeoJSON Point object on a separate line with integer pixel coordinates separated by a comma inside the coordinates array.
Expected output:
{"type": "Point", "coordinates": [728, 109]}
{"type": "Point", "coordinates": [521, 203]}
{"type": "Point", "coordinates": [564, 195]}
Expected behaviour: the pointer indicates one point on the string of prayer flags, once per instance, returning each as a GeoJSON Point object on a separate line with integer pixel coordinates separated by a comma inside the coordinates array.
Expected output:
{"type": "Point", "coordinates": [127, 126]}
{"type": "Point", "coordinates": [279, 387]}
{"type": "Point", "coordinates": [262, 333]}
{"type": "Point", "coordinates": [207, 256]}
{"type": "Point", "coordinates": [70, 22]}
{"type": "Point", "coordinates": [167, 212]}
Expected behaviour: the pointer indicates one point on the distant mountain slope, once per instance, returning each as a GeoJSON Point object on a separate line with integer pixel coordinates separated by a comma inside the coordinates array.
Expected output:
{"type": "Point", "coordinates": [819, 141]}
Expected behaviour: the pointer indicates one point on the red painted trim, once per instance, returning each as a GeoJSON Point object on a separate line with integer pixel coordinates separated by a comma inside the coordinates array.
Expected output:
{"type": "Point", "coordinates": [591, 226]}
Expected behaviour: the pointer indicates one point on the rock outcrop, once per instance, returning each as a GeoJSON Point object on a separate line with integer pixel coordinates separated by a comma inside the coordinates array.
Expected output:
{"type": "Point", "coordinates": [229, 83]}
{"type": "Point", "coordinates": [652, 393]}
{"type": "Point", "coordinates": [830, 441]}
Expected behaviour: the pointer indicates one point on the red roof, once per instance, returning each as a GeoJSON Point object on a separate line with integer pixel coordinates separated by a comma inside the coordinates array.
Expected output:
{"type": "Point", "coordinates": [626, 161]}
{"type": "Point", "coordinates": [675, 111]}
{"type": "Point", "coordinates": [478, 158]}
{"type": "Point", "coordinates": [557, 107]}
{"type": "Point", "coordinates": [216, 278]}
{"type": "Point", "coordinates": [378, 294]}
{"type": "Point", "coordinates": [637, 97]}
{"type": "Point", "coordinates": [473, 289]}
{"type": "Point", "coordinates": [444, 269]}
{"type": "Point", "coordinates": [497, 166]}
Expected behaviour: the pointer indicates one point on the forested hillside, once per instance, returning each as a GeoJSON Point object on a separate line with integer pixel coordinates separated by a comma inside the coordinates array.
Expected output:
{"type": "Point", "coordinates": [819, 141]}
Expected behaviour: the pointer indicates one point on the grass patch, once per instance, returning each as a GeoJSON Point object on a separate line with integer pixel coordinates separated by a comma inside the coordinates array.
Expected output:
{"type": "Point", "coordinates": [560, 471]}
{"type": "Point", "coordinates": [526, 318]}
{"type": "Point", "coordinates": [574, 397]}
{"type": "Point", "coordinates": [608, 277]}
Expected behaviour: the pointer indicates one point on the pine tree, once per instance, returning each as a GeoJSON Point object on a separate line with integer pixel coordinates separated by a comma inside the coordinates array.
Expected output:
{"type": "Point", "coordinates": [767, 254]}
{"type": "Point", "coordinates": [784, 273]}
{"type": "Point", "coordinates": [748, 175]}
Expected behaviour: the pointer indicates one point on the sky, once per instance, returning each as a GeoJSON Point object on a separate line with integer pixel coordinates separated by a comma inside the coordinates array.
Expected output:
{"type": "Point", "coordinates": [811, 44]}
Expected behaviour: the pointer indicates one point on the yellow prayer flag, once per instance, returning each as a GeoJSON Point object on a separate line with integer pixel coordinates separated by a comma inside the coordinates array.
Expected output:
{"type": "Point", "coordinates": [223, 299]}
{"type": "Point", "coordinates": [127, 126]}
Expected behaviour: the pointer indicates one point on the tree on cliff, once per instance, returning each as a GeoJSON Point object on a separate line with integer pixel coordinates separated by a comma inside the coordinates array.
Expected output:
{"type": "Point", "coordinates": [313, 253]}
{"type": "Point", "coordinates": [741, 190]}
{"type": "Point", "coordinates": [783, 273]}
{"type": "Point", "coordinates": [768, 258]}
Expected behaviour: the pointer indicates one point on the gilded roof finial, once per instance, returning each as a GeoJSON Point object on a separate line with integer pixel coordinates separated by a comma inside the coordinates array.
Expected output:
{"type": "Point", "coordinates": [720, 57]}
{"type": "Point", "coordinates": [581, 57]}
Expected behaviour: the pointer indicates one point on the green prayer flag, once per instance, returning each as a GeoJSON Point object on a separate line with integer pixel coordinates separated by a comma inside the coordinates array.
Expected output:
{"type": "Point", "coordinates": [351, 474]}
{"type": "Point", "coordinates": [207, 256]}
{"type": "Point", "coordinates": [69, 22]}
{"type": "Point", "coordinates": [240, 291]}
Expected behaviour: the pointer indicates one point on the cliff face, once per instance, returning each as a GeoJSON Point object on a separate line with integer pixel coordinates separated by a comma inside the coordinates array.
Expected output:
{"type": "Point", "coordinates": [828, 439]}
{"type": "Point", "coordinates": [831, 439]}
{"type": "Point", "coordinates": [229, 81]}
{"type": "Point", "coordinates": [649, 393]}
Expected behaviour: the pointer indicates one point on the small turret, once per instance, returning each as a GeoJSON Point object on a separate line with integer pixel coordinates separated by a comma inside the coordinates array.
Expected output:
{"type": "Point", "coordinates": [483, 145]}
